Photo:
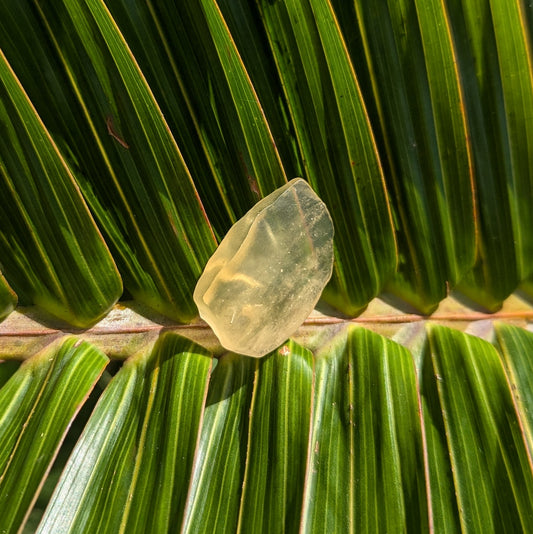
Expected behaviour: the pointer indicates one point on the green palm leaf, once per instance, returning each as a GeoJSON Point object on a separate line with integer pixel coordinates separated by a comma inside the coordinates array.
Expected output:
{"type": "Point", "coordinates": [484, 434]}
{"type": "Point", "coordinates": [516, 347]}
{"type": "Point", "coordinates": [496, 66]}
{"type": "Point", "coordinates": [143, 407]}
{"type": "Point", "coordinates": [365, 455]}
{"type": "Point", "coordinates": [134, 138]}
{"type": "Point", "coordinates": [38, 403]}
{"type": "Point", "coordinates": [44, 217]}
{"type": "Point", "coordinates": [238, 154]}
{"type": "Point", "coordinates": [425, 138]}
{"type": "Point", "coordinates": [149, 128]}
{"type": "Point", "coordinates": [254, 450]}
{"type": "Point", "coordinates": [337, 145]}
{"type": "Point", "coordinates": [8, 299]}
{"type": "Point", "coordinates": [278, 429]}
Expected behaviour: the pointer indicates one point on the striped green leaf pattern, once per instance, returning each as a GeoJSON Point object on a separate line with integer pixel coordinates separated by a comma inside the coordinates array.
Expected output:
{"type": "Point", "coordinates": [44, 217]}
{"type": "Point", "coordinates": [37, 405]}
{"type": "Point", "coordinates": [403, 116]}
{"type": "Point", "coordinates": [8, 298]}
{"type": "Point", "coordinates": [134, 133]}
{"type": "Point", "coordinates": [349, 438]}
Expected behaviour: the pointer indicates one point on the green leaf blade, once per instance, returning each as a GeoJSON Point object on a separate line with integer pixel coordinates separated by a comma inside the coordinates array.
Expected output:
{"type": "Point", "coordinates": [516, 347]}
{"type": "Point", "coordinates": [247, 31]}
{"type": "Point", "coordinates": [494, 58]}
{"type": "Point", "coordinates": [158, 59]}
{"type": "Point", "coordinates": [266, 167]}
{"type": "Point", "coordinates": [173, 420]}
{"type": "Point", "coordinates": [37, 405]}
{"type": "Point", "coordinates": [492, 470]}
{"type": "Point", "coordinates": [147, 191]}
{"type": "Point", "coordinates": [365, 409]}
{"type": "Point", "coordinates": [452, 139]}
{"type": "Point", "coordinates": [154, 401]}
{"type": "Point", "coordinates": [514, 45]}
{"type": "Point", "coordinates": [52, 252]}
{"type": "Point", "coordinates": [336, 144]}
{"type": "Point", "coordinates": [416, 88]}
{"type": "Point", "coordinates": [8, 298]}
{"type": "Point", "coordinates": [224, 107]}
{"type": "Point", "coordinates": [216, 479]}
{"type": "Point", "coordinates": [278, 436]}
{"type": "Point", "coordinates": [441, 487]}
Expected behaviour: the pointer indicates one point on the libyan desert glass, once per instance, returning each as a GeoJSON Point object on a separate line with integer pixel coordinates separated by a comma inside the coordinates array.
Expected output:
{"type": "Point", "coordinates": [269, 271]}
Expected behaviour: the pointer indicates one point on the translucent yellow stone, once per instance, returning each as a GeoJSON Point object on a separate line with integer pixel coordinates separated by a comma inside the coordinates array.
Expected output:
{"type": "Point", "coordinates": [269, 271]}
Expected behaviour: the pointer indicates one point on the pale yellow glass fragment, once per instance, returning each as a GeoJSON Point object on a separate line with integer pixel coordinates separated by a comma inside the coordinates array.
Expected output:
{"type": "Point", "coordinates": [269, 271]}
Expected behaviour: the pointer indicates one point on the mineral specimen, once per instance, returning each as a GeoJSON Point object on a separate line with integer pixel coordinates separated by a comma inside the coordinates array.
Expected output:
{"type": "Point", "coordinates": [269, 271]}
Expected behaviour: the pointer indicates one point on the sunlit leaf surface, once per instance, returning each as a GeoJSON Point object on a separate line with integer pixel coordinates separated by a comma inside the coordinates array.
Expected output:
{"type": "Point", "coordinates": [234, 160]}
{"type": "Point", "coordinates": [517, 347]}
{"type": "Point", "coordinates": [337, 145]}
{"type": "Point", "coordinates": [37, 405]}
{"type": "Point", "coordinates": [365, 455]}
{"type": "Point", "coordinates": [146, 192]}
{"type": "Point", "coordinates": [43, 217]}
{"type": "Point", "coordinates": [8, 299]}
{"type": "Point", "coordinates": [137, 449]}
{"type": "Point", "coordinates": [278, 436]}
{"type": "Point", "coordinates": [414, 82]}
{"type": "Point", "coordinates": [490, 464]}
{"type": "Point", "coordinates": [495, 64]}
{"type": "Point", "coordinates": [411, 119]}
{"type": "Point", "coordinates": [342, 440]}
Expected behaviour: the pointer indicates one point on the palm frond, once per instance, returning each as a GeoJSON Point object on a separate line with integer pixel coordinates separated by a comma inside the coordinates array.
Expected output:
{"type": "Point", "coordinates": [135, 133]}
